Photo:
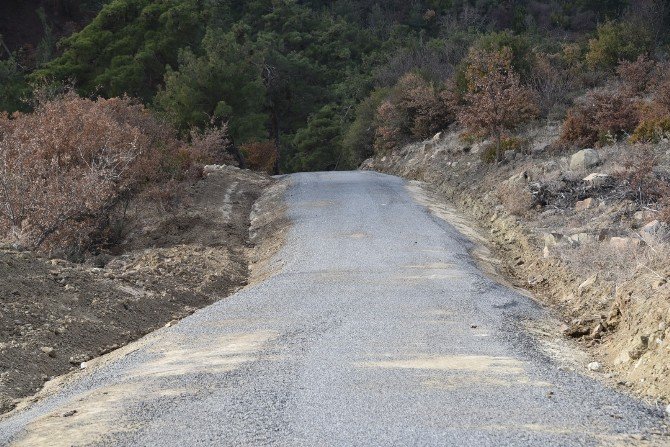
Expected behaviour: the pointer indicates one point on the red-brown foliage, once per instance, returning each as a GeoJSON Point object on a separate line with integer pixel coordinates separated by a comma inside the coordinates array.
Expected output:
{"type": "Point", "coordinates": [496, 102]}
{"type": "Point", "coordinates": [601, 116]}
{"type": "Point", "coordinates": [261, 156]}
{"type": "Point", "coordinates": [637, 76]}
{"type": "Point", "coordinates": [66, 166]}
{"type": "Point", "coordinates": [415, 108]}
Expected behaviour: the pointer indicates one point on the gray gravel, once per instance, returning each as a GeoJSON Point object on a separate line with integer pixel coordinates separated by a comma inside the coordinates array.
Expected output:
{"type": "Point", "coordinates": [379, 330]}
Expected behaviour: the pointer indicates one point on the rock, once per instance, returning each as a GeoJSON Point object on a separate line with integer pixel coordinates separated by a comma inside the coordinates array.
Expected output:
{"type": "Point", "coordinates": [48, 350]}
{"type": "Point", "coordinates": [581, 239]}
{"type": "Point", "coordinates": [552, 239]}
{"type": "Point", "coordinates": [596, 180]}
{"type": "Point", "coordinates": [594, 366]}
{"type": "Point", "coordinates": [584, 160]}
{"type": "Point", "coordinates": [622, 358]}
{"type": "Point", "coordinates": [597, 331]}
{"type": "Point", "coordinates": [667, 410]}
{"type": "Point", "coordinates": [586, 285]}
{"type": "Point", "coordinates": [520, 178]}
{"type": "Point", "coordinates": [652, 227]}
{"type": "Point", "coordinates": [79, 359]}
{"type": "Point", "coordinates": [6, 403]}
{"type": "Point", "coordinates": [584, 204]}
{"type": "Point", "coordinates": [509, 156]}
{"type": "Point", "coordinates": [625, 243]}
{"type": "Point", "coordinates": [639, 349]}
{"type": "Point", "coordinates": [576, 329]}
{"type": "Point", "coordinates": [83, 365]}
{"type": "Point", "coordinates": [437, 137]}
{"type": "Point", "coordinates": [428, 146]}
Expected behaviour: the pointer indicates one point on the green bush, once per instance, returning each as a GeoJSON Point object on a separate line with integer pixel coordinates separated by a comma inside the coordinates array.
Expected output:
{"type": "Point", "coordinates": [651, 130]}
{"type": "Point", "coordinates": [616, 41]}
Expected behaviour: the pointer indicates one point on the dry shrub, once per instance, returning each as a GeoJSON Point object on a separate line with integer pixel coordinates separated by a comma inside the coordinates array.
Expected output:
{"type": "Point", "coordinates": [600, 117]}
{"type": "Point", "coordinates": [390, 129]}
{"type": "Point", "coordinates": [507, 143]}
{"type": "Point", "coordinates": [554, 79]}
{"type": "Point", "coordinates": [261, 156]}
{"type": "Point", "coordinates": [647, 186]}
{"type": "Point", "coordinates": [638, 75]}
{"type": "Point", "coordinates": [615, 265]}
{"type": "Point", "coordinates": [211, 145]}
{"type": "Point", "coordinates": [67, 165]}
{"type": "Point", "coordinates": [651, 130]}
{"type": "Point", "coordinates": [416, 109]}
{"type": "Point", "coordinates": [516, 198]}
{"type": "Point", "coordinates": [496, 102]}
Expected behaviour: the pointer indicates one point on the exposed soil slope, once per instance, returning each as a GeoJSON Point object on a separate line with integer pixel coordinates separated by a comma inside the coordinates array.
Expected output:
{"type": "Point", "coordinates": [580, 246]}
{"type": "Point", "coordinates": [55, 315]}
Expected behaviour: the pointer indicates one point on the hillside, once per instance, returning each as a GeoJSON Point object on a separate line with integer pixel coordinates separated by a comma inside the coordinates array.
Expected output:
{"type": "Point", "coordinates": [138, 136]}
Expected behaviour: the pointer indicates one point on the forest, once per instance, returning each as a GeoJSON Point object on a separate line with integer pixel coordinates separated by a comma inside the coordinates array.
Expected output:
{"type": "Point", "coordinates": [104, 99]}
{"type": "Point", "coordinates": [305, 82]}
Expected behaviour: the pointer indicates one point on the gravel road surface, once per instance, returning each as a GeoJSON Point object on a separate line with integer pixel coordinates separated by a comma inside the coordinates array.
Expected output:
{"type": "Point", "coordinates": [378, 330]}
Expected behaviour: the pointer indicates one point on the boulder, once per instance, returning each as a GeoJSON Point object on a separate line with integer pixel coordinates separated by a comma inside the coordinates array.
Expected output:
{"type": "Point", "coordinates": [584, 160]}
{"type": "Point", "coordinates": [437, 137]}
{"type": "Point", "coordinates": [584, 204]}
{"type": "Point", "coordinates": [596, 180]}
{"type": "Point", "coordinates": [594, 366]}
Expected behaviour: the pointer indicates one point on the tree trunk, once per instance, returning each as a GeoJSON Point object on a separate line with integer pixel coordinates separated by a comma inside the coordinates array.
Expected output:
{"type": "Point", "coordinates": [498, 147]}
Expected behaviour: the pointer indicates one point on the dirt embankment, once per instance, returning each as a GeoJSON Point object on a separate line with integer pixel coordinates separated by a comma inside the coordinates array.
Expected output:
{"type": "Point", "coordinates": [574, 239]}
{"type": "Point", "coordinates": [56, 315]}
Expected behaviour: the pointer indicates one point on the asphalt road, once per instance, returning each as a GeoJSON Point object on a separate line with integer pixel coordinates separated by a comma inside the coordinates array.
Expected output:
{"type": "Point", "coordinates": [379, 330]}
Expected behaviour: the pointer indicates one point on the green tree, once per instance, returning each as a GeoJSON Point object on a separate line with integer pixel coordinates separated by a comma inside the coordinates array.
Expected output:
{"type": "Point", "coordinates": [318, 146]}
{"type": "Point", "coordinates": [13, 86]}
{"type": "Point", "coordinates": [616, 41]}
{"type": "Point", "coordinates": [224, 84]}
{"type": "Point", "coordinates": [126, 48]}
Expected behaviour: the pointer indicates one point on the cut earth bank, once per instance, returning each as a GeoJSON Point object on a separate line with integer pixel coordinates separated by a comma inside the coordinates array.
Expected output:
{"type": "Point", "coordinates": [566, 229]}
{"type": "Point", "coordinates": [56, 315]}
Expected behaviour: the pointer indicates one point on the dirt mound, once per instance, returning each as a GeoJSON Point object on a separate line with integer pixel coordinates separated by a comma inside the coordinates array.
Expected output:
{"type": "Point", "coordinates": [56, 315]}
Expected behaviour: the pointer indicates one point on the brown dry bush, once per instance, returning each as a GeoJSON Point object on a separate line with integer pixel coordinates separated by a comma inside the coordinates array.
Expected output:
{"type": "Point", "coordinates": [638, 75]}
{"type": "Point", "coordinates": [66, 166]}
{"type": "Point", "coordinates": [496, 102]}
{"type": "Point", "coordinates": [261, 156]}
{"type": "Point", "coordinates": [647, 185]}
{"type": "Point", "coordinates": [601, 116]}
{"type": "Point", "coordinates": [415, 108]}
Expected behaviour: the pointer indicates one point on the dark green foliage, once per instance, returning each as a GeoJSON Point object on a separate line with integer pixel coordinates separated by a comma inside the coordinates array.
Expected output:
{"type": "Point", "coordinates": [310, 76]}
{"type": "Point", "coordinates": [126, 48]}
{"type": "Point", "coordinates": [224, 84]}
{"type": "Point", "coordinates": [318, 146]}
{"type": "Point", "coordinates": [13, 88]}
